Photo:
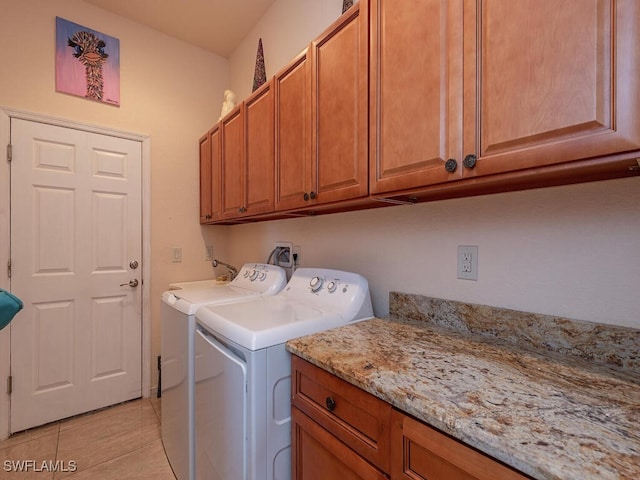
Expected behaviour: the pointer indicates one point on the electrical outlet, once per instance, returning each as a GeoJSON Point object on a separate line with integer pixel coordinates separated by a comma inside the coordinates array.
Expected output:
{"type": "Point", "coordinates": [468, 262]}
{"type": "Point", "coordinates": [284, 254]}
{"type": "Point", "coordinates": [208, 253]}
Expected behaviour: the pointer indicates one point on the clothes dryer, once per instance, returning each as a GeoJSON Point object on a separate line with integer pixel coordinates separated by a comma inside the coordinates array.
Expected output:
{"type": "Point", "coordinates": [178, 353]}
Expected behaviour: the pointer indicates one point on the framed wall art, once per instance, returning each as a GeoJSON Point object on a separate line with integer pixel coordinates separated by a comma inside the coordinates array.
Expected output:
{"type": "Point", "coordinates": [87, 63]}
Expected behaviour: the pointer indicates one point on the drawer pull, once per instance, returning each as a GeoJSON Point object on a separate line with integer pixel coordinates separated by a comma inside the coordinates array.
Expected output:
{"type": "Point", "coordinates": [331, 404]}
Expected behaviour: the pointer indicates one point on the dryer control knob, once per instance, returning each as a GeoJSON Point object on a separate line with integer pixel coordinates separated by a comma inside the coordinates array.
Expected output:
{"type": "Point", "coordinates": [331, 286]}
{"type": "Point", "coordinates": [315, 284]}
{"type": "Point", "coordinates": [254, 275]}
{"type": "Point", "coordinates": [262, 276]}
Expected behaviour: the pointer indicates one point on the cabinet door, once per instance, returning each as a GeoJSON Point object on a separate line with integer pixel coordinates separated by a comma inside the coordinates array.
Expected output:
{"type": "Point", "coordinates": [210, 176]}
{"type": "Point", "coordinates": [340, 107]}
{"type": "Point", "coordinates": [293, 133]}
{"type": "Point", "coordinates": [318, 455]}
{"type": "Point", "coordinates": [419, 451]}
{"type": "Point", "coordinates": [415, 93]}
{"type": "Point", "coordinates": [259, 151]}
{"type": "Point", "coordinates": [556, 82]}
{"type": "Point", "coordinates": [233, 171]}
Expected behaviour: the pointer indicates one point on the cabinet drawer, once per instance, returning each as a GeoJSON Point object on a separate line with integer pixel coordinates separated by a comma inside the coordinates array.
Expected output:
{"type": "Point", "coordinates": [354, 416]}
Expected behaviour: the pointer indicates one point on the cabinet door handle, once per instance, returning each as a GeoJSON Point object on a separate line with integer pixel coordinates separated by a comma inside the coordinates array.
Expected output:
{"type": "Point", "coordinates": [451, 165]}
{"type": "Point", "coordinates": [313, 195]}
{"type": "Point", "coordinates": [470, 161]}
{"type": "Point", "coordinates": [306, 197]}
{"type": "Point", "coordinates": [331, 404]}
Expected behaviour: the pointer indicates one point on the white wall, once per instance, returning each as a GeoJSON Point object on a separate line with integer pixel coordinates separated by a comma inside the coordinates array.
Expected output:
{"type": "Point", "coordinates": [286, 29]}
{"type": "Point", "coordinates": [170, 91]}
{"type": "Point", "coordinates": [571, 251]}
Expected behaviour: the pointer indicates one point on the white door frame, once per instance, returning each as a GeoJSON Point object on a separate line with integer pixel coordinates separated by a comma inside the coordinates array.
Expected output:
{"type": "Point", "coordinates": [5, 238]}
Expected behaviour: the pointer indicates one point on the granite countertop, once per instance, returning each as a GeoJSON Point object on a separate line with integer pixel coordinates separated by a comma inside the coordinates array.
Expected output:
{"type": "Point", "coordinates": [550, 416]}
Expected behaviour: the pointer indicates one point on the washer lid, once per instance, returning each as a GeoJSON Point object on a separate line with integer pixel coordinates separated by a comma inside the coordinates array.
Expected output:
{"type": "Point", "coordinates": [266, 321]}
{"type": "Point", "coordinates": [189, 300]}
{"type": "Point", "coordinates": [253, 280]}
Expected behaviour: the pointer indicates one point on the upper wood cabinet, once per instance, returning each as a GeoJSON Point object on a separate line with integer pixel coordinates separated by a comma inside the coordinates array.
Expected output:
{"type": "Point", "coordinates": [322, 117]}
{"type": "Point", "coordinates": [259, 151]}
{"type": "Point", "coordinates": [415, 92]}
{"type": "Point", "coordinates": [556, 82]}
{"type": "Point", "coordinates": [233, 168]}
{"type": "Point", "coordinates": [416, 101]}
{"type": "Point", "coordinates": [518, 85]}
{"type": "Point", "coordinates": [340, 59]}
{"type": "Point", "coordinates": [210, 176]}
{"type": "Point", "coordinates": [247, 145]}
{"type": "Point", "coordinates": [293, 132]}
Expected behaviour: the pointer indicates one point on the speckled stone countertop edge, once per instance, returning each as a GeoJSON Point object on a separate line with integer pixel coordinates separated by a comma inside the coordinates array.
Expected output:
{"type": "Point", "coordinates": [383, 364]}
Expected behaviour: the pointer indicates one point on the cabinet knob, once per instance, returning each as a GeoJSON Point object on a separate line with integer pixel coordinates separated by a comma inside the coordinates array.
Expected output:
{"type": "Point", "coordinates": [306, 197]}
{"type": "Point", "coordinates": [451, 165]}
{"type": "Point", "coordinates": [470, 161]}
{"type": "Point", "coordinates": [313, 195]}
{"type": "Point", "coordinates": [331, 404]}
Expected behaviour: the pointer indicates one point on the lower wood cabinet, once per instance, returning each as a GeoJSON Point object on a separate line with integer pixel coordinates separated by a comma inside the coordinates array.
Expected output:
{"type": "Point", "coordinates": [318, 455]}
{"type": "Point", "coordinates": [419, 451]}
{"type": "Point", "coordinates": [342, 432]}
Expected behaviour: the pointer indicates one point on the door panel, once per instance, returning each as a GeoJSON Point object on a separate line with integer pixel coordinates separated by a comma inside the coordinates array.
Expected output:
{"type": "Point", "coordinates": [221, 412]}
{"type": "Point", "coordinates": [416, 93]}
{"type": "Point", "coordinates": [340, 111]}
{"type": "Point", "coordinates": [552, 88]}
{"type": "Point", "coordinates": [75, 226]}
{"type": "Point", "coordinates": [293, 133]}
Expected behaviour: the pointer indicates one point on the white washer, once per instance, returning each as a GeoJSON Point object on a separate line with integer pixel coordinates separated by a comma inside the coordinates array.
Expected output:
{"type": "Point", "coordinates": [243, 380]}
{"type": "Point", "coordinates": [178, 326]}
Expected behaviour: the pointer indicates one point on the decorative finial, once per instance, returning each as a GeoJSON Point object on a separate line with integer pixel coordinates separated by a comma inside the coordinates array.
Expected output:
{"type": "Point", "coordinates": [260, 75]}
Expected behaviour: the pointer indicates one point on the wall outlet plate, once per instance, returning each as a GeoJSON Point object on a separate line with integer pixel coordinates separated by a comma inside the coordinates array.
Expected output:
{"type": "Point", "coordinates": [468, 262]}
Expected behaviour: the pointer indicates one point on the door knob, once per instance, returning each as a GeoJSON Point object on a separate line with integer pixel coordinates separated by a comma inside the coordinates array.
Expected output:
{"type": "Point", "coordinates": [132, 283]}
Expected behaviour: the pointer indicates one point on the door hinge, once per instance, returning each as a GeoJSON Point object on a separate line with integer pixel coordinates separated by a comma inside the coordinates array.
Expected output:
{"type": "Point", "coordinates": [9, 152]}
{"type": "Point", "coordinates": [9, 385]}
{"type": "Point", "coordinates": [9, 268]}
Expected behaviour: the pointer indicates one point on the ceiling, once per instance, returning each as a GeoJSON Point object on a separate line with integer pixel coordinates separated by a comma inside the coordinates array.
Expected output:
{"type": "Point", "coordinates": [215, 25]}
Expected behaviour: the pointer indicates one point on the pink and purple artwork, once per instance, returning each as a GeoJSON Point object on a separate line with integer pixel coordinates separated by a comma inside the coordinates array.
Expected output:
{"type": "Point", "coordinates": [87, 63]}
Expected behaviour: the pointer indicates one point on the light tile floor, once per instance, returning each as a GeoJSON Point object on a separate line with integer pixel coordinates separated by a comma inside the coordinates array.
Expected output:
{"type": "Point", "coordinates": [119, 442]}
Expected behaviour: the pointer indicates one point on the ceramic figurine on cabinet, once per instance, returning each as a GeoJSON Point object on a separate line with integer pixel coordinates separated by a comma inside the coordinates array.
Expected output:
{"type": "Point", "coordinates": [229, 102]}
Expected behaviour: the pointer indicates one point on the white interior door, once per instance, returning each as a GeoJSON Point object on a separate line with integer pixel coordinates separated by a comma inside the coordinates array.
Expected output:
{"type": "Point", "coordinates": [75, 233]}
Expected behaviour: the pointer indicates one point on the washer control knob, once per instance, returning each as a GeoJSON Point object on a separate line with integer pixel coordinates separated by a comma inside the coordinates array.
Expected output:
{"type": "Point", "coordinates": [246, 273]}
{"type": "Point", "coordinates": [254, 275]}
{"type": "Point", "coordinates": [315, 284]}
{"type": "Point", "coordinates": [262, 276]}
{"type": "Point", "coordinates": [331, 286]}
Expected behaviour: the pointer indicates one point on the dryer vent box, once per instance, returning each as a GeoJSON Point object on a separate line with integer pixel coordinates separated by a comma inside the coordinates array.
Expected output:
{"type": "Point", "coordinates": [284, 254]}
